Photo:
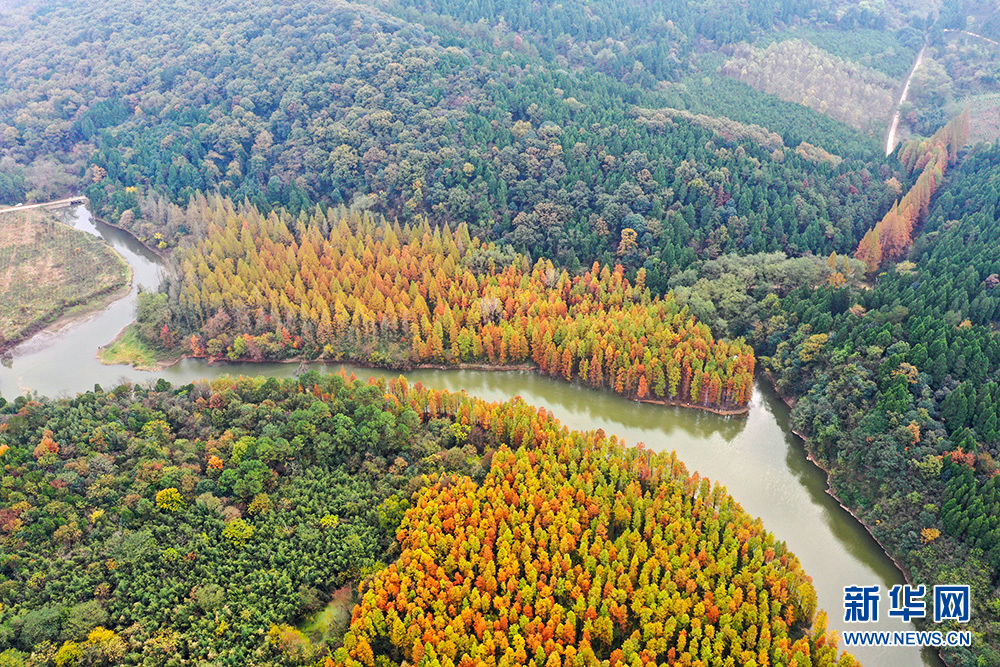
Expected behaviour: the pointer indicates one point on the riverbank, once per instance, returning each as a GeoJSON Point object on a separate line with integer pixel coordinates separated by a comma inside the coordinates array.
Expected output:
{"type": "Point", "coordinates": [74, 313]}
{"type": "Point", "coordinates": [790, 402]}
{"type": "Point", "coordinates": [163, 255]}
{"type": "Point", "coordinates": [725, 412]}
{"type": "Point", "coordinates": [128, 349]}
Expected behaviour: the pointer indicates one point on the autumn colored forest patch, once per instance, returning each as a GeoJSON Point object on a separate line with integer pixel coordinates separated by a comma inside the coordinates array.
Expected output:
{"type": "Point", "coordinates": [205, 521]}
{"type": "Point", "coordinates": [350, 286]}
{"type": "Point", "coordinates": [578, 550]}
{"type": "Point", "coordinates": [892, 236]}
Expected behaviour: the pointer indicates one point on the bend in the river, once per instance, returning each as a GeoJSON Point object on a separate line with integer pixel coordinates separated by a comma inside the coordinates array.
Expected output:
{"type": "Point", "coordinates": [757, 457]}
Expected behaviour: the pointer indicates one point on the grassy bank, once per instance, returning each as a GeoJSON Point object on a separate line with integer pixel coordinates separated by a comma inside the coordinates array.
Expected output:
{"type": "Point", "coordinates": [128, 348]}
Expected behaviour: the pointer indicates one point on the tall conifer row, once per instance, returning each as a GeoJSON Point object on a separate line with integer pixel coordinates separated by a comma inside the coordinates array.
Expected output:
{"type": "Point", "coordinates": [347, 286]}
{"type": "Point", "coordinates": [891, 236]}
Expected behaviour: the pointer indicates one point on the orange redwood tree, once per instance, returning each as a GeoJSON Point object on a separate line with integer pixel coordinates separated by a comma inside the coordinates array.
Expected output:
{"type": "Point", "coordinates": [578, 550]}
{"type": "Point", "coordinates": [348, 286]}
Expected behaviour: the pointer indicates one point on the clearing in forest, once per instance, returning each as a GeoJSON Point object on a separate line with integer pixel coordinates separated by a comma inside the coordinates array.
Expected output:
{"type": "Point", "coordinates": [797, 71]}
{"type": "Point", "coordinates": [48, 268]}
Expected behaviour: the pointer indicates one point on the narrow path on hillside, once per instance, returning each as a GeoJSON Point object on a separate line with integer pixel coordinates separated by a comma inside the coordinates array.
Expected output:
{"type": "Point", "coordinates": [973, 34]}
{"type": "Point", "coordinates": [890, 142]}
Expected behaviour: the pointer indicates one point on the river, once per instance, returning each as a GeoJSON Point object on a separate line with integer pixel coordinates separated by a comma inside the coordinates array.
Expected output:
{"type": "Point", "coordinates": [757, 457]}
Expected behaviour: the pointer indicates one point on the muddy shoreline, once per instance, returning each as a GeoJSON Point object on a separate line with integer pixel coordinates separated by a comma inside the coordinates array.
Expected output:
{"type": "Point", "coordinates": [73, 312]}
{"type": "Point", "coordinates": [162, 254]}
{"type": "Point", "coordinates": [78, 310]}
{"type": "Point", "coordinates": [81, 310]}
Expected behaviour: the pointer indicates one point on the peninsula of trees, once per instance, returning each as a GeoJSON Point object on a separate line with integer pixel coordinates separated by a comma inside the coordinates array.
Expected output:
{"type": "Point", "coordinates": [351, 286]}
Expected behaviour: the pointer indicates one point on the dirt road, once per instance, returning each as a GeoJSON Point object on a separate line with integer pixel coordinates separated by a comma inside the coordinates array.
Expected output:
{"type": "Point", "coordinates": [890, 142]}
{"type": "Point", "coordinates": [59, 203]}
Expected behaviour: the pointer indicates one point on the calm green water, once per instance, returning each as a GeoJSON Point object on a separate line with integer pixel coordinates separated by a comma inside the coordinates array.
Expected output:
{"type": "Point", "coordinates": [757, 457]}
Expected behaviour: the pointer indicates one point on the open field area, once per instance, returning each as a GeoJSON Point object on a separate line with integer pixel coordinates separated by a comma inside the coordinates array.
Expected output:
{"type": "Point", "coordinates": [48, 269]}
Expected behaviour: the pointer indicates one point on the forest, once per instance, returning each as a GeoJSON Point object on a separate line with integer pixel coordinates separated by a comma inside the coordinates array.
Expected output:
{"type": "Point", "coordinates": [349, 286]}
{"type": "Point", "coordinates": [178, 525]}
{"type": "Point", "coordinates": [903, 377]}
{"type": "Point", "coordinates": [567, 551]}
{"type": "Point", "coordinates": [654, 199]}
{"type": "Point", "coordinates": [960, 70]}
{"type": "Point", "coordinates": [892, 236]}
{"type": "Point", "coordinates": [517, 146]}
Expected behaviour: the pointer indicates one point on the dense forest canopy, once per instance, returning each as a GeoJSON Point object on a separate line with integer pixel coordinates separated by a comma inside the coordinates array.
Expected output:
{"type": "Point", "coordinates": [612, 556]}
{"type": "Point", "coordinates": [892, 236]}
{"type": "Point", "coordinates": [616, 193]}
{"type": "Point", "coordinates": [182, 525]}
{"type": "Point", "coordinates": [350, 286]}
{"type": "Point", "coordinates": [187, 521]}
{"type": "Point", "coordinates": [354, 105]}
{"type": "Point", "coordinates": [903, 377]}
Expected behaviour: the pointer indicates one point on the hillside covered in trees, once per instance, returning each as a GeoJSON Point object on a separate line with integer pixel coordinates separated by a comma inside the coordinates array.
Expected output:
{"type": "Point", "coordinates": [618, 194]}
{"type": "Point", "coordinates": [898, 396]}
{"type": "Point", "coordinates": [175, 526]}
{"type": "Point", "coordinates": [929, 159]}
{"type": "Point", "coordinates": [357, 105]}
{"type": "Point", "coordinates": [960, 70]}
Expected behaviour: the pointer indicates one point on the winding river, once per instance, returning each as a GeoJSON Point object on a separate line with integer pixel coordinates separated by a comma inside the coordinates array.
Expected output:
{"type": "Point", "coordinates": [757, 457]}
